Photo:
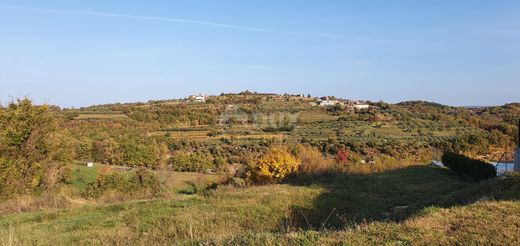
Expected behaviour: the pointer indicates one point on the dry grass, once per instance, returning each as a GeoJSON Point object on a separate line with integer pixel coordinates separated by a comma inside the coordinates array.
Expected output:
{"type": "Point", "coordinates": [186, 182]}
{"type": "Point", "coordinates": [266, 215]}
{"type": "Point", "coordinates": [313, 163]}
{"type": "Point", "coordinates": [484, 223]}
{"type": "Point", "coordinates": [386, 163]}
{"type": "Point", "coordinates": [54, 200]}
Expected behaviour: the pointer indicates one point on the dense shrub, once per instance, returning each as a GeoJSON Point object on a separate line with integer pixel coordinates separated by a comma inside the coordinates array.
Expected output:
{"type": "Point", "coordinates": [183, 161]}
{"type": "Point", "coordinates": [474, 169]}
{"type": "Point", "coordinates": [34, 155]}
{"type": "Point", "coordinates": [141, 181]}
{"type": "Point", "coordinates": [284, 128]}
{"type": "Point", "coordinates": [342, 157]}
{"type": "Point", "coordinates": [274, 166]}
{"type": "Point", "coordinates": [132, 150]}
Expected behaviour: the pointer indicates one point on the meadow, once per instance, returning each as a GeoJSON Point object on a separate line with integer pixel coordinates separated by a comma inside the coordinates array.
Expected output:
{"type": "Point", "coordinates": [413, 204]}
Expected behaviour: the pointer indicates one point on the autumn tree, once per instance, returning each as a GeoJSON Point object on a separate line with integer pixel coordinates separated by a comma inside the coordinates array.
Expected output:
{"type": "Point", "coordinates": [108, 152]}
{"type": "Point", "coordinates": [34, 155]}
{"type": "Point", "coordinates": [85, 149]}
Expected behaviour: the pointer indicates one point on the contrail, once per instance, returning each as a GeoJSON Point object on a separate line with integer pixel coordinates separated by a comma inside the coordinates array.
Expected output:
{"type": "Point", "coordinates": [253, 29]}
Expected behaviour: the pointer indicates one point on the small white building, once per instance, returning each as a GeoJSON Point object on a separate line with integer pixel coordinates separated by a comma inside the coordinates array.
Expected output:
{"type": "Point", "coordinates": [361, 106]}
{"type": "Point", "coordinates": [90, 164]}
{"type": "Point", "coordinates": [198, 98]}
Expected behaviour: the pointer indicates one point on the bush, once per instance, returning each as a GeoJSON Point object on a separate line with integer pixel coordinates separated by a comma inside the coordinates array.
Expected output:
{"type": "Point", "coordinates": [314, 163]}
{"type": "Point", "coordinates": [284, 128]}
{"type": "Point", "coordinates": [34, 154]}
{"type": "Point", "coordinates": [141, 181]}
{"type": "Point", "coordinates": [474, 169]}
{"type": "Point", "coordinates": [130, 149]}
{"type": "Point", "coordinates": [184, 161]}
{"type": "Point", "coordinates": [274, 166]}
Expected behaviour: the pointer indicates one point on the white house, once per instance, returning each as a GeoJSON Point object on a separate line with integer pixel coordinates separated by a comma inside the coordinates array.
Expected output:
{"type": "Point", "coordinates": [90, 164]}
{"type": "Point", "coordinates": [198, 98]}
{"type": "Point", "coordinates": [361, 106]}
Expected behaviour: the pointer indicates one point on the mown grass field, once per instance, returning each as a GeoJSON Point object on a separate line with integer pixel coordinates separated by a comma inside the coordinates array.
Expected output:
{"type": "Point", "coordinates": [413, 205]}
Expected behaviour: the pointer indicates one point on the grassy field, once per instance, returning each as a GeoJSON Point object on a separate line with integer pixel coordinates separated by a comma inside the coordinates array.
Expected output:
{"type": "Point", "coordinates": [81, 175]}
{"type": "Point", "coordinates": [482, 223]}
{"type": "Point", "coordinates": [412, 204]}
{"type": "Point", "coordinates": [175, 182]}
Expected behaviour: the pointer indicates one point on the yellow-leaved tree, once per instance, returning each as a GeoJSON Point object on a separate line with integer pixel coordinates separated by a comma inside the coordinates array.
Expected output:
{"type": "Point", "coordinates": [273, 166]}
{"type": "Point", "coordinates": [34, 155]}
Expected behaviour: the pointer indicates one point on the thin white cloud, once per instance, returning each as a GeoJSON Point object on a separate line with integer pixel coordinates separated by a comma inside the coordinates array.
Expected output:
{"type": "Point", "coordinates": [254, 29]}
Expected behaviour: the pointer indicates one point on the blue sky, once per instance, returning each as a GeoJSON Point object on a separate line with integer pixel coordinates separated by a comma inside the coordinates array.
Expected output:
{"type": "Point", "coordinates": [77, 53]}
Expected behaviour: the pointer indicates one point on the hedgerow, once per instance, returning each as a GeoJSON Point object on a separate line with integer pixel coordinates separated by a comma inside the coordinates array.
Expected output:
{"type": "Point", "coordinates": [474, 169]}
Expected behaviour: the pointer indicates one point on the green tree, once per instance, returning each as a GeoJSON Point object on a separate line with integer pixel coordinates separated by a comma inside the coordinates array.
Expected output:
{"type": "Point", "coordinates": [34, 155]}
{"type": "Point", "coordinates": [85, 149]}
{"type": "Point", "coordinates": [108, 152]}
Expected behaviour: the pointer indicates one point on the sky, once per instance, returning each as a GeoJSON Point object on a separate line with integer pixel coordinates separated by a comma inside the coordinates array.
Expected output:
{"type": "Point", "coordinates": [77, 53]}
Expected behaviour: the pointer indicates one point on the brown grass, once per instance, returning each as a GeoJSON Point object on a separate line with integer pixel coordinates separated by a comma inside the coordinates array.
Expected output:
{"type": "Point", "coordinates": [51, 200]}
{"type": "Point", "coordinates": [313, 163]}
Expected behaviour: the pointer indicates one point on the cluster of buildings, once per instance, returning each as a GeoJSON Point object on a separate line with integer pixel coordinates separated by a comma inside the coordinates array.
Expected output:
{"type": "Point", "coordinates": [322, 102]}
{"type": "Point", "coordinates": [352, 105]}
{"type": "Point", "coordinates": [201, 98]}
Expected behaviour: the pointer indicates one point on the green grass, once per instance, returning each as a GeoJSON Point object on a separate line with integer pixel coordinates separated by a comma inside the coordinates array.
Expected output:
{"type": "Point", "coordinates": [482, 223]}
{"type": "Point", "coordinates": [81, 175]}
{"type": "Point", "coordinates": [333, 206]}
{"type": "Point", "coordinates": [183, 218]}
{"type": "Point", "coordinates": [356, 198]}
{"type": "Point", "coordinates": [175, 182]}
